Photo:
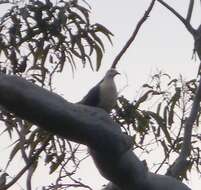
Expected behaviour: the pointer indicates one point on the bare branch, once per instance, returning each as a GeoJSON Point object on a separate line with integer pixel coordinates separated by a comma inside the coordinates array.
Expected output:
{"type": "Point", "coordinates": [181, 18]}
{"type": "Point", "coordinates": [190, 10]}
{"type": "Point", "coordinates": [132, 38]}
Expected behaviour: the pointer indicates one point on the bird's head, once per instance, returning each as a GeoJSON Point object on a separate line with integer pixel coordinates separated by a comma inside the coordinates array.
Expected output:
{"type": "Point", "coordinates": [4, 174]}
{"type": "Point", "coordinates": [111, 73]}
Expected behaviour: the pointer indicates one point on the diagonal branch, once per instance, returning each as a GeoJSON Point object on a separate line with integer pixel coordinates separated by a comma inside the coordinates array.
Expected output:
{"type": "Point", "coordinates": [109, 147]}
{"type": "Point", "coordinates": [181, 18]}
{"type": "Point", "coordinates": [82, 124]}
{"type": "Point", "coordinates": [132, 38]}
{"type": "Point", "coordinates": [190, 10]}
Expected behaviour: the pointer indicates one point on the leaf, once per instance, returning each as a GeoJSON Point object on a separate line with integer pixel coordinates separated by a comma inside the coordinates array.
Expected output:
{"type": "Point", "coordinates": [90, 44]}
{"type": "Point", "coordinates": [45, 53]}
{"type": "Point", "coordinates": [48, 158]}
{"type": "Point", "coordinates": [62, 17]}
{"type": "Point", "coordinates": [160, 121]}
{"type": "Point", "coordinates": [81, 48]}
{"type": "Point", "coordinates": [56, 164]}
{"type": "Point", "coordinates": [165, 114]}
{"type": "Point", "coordinates": [75, 53]}
{"type": "Point", "coordinates": [51, 59]}
{"type": "Point", "coordinates": [24, 12]}
{"type": "Point", "coordinates": [172, 104]}
{"type": "Point", "coordinates": [165, 148]}
{"type": "Point", "coordinates": [99, 56]}
{"type": "Point", "coordinates": [90, 62]}
{"type": "Point", "coordinates": [97, 39]}
{"type": "Point", "coordinates": [74, 16]}
{"type": "Point", "coordinates": [158, 109]}
{"type": "Point", "coordinates": [172, 81]}
{"type": "Point", "coordinates": [167, 75]}
{"type": "Point", "coordinates": [104, 30]}
{"type": "Point", "coordinates": [147, 86]}
{"type": "Point", "coordinates": [84, 11]}
{"type": "Point", "coordinates": [14, 151]}
{"type": "Point", "coordinates": [143, 121]}
{"type": "Point", "coordinates": [71, 60]}
{"type": "Point", "coordinates": [143, 98]}
{"type": "Point", "coordinates": [38, 78]}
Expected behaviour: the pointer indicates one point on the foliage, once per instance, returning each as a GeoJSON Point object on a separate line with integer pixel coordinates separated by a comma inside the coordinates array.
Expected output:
{"type": "Point", "coordinates": [39, 37]}
{"type": "Point", "coordinates": [58, 154]}
{"type": "Point", "coordinates": [161, 124]}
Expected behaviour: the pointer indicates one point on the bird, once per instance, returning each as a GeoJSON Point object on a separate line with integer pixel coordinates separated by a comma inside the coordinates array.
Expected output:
{"type": "Point", "coordinates": [104, 94]}
{"type": "Point", "coordinates": [3, 179]}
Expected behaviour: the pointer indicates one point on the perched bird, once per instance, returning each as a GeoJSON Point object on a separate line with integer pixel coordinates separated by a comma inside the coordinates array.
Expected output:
{"type": "Point", "coordinates": [3, 179]}
{"type": "Point", "coordinates": [104, 94]}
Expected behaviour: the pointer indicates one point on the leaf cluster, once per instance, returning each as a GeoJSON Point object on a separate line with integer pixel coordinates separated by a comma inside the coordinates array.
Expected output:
{"type": "Point", "coordinates": [157, 118]}
{"type": "Point", "coordinates": [39, 37]}
{"type": "Point", "coordinates": [58, 154]}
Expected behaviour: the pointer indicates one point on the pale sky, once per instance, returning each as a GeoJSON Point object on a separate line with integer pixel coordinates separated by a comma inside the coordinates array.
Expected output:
{"type": "Point", "coordinates": [162, 43]}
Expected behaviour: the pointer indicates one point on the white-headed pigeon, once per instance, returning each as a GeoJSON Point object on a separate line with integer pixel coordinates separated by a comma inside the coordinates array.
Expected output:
{"type": "Point", "coordinates": [104, 94]}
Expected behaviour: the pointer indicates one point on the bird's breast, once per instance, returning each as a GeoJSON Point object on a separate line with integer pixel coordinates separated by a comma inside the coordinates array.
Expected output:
{"type": "Point", "coordinates": [108, 95]}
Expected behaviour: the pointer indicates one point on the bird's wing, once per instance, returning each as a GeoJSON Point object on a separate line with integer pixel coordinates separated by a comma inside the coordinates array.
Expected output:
{"type": "Point", "coordinates": [93, 96]}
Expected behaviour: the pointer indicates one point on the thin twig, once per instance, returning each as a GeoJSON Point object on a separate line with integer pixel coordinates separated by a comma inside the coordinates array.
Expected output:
{"type": "Point", "coordinates": [22, 140]}
{"type": "Point", "coordinates": [31, 161]}
{"type": "Point", "coordinates": [171, 149]}
{"type": "Point", "coordinates": [131, 39]}
{"type": "Point", "coordinates": [181, 18]}
{"type": "Point", "coordinates": [190, 10]}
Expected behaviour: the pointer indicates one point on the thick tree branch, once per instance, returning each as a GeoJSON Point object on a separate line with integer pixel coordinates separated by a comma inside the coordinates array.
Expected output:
{"type": "Point", "coordinates": [181, 18]}
{"type": "Point", "coordinates": [53, 113]}
{"type": "Point", "coordinates": [110, 149]}
{"type": "Point", "coordinates": [132, 38]}
{"type": "Point", "coordinates": [82, 124]}
{"type": "Point", "coordinates": [190, 10]}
